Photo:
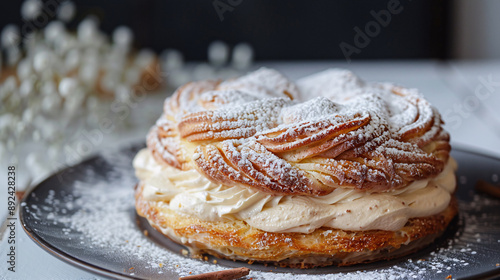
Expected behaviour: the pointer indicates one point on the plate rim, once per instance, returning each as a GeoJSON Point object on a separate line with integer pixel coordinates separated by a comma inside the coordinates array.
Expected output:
{"type": "Point", "coordinates": [81, 264]}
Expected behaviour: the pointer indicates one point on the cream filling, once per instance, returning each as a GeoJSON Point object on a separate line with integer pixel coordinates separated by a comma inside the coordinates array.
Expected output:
{"type": "Point", "coordinates": [191, 193]}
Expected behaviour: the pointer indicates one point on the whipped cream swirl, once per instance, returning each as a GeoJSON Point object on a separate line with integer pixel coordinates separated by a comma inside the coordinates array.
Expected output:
{"type": "Point", "coordinates": [190, 193]}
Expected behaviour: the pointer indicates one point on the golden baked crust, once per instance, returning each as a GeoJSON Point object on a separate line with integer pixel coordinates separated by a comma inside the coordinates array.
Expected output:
{"type": "Point", "coordinates": [377, 138]}
{"type": "Point", "coordinates": [325, 246]}
{"type": "Point", "coordinates": [259, 132]}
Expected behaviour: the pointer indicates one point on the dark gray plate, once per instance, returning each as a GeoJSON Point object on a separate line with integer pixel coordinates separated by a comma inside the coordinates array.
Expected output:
{"type": "Point", "coordinates": [53, 212]}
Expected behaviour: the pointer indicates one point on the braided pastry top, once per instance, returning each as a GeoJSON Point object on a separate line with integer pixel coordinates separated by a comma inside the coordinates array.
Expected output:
{"type": "Point", "coordinates": [330, 130]}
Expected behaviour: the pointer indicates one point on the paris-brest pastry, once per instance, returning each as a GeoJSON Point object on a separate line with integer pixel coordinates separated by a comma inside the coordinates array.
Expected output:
{"type": "Point", "coordinates": [325, 170]}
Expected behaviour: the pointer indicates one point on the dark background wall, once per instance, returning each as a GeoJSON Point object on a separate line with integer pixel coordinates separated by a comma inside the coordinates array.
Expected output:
{"type": "Point", "coordinates": [277, 30]}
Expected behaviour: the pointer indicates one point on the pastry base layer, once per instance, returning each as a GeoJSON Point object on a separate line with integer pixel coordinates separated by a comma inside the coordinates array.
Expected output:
{"type": "Point", "coordinates": [236, 240]}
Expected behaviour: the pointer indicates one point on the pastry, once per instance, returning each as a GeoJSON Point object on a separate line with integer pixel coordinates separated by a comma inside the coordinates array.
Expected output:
{"type": "Point", "coordinates": [325, 170]}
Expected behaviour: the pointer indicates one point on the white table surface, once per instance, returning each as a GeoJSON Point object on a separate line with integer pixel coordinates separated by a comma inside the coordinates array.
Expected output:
{"type": "Point", "coordinates": [448, 85]}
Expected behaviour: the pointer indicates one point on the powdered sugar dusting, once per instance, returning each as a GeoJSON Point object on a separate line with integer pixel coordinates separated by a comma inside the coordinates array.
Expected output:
{"type": "Point", "coordinates": [312, 109]}
{"type": "Point", "coordinates": [332, 92]}
{"type": "Point", "coordinates": [322, 117]}
{"type": "Point", "coordinates": [96, 213]}
{"type": "Point", "coordinates": [334, 84]}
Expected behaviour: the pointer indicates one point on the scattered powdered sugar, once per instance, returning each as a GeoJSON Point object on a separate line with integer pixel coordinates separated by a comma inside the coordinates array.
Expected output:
{"type": "Point", "coordinates": [325, 115]}
{"type": "Point", "coordinates": [96, 213]}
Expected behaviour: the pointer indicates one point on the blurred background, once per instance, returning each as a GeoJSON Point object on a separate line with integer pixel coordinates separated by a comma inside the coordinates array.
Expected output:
{"type": "Point", "coordinates": [80, 76]}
